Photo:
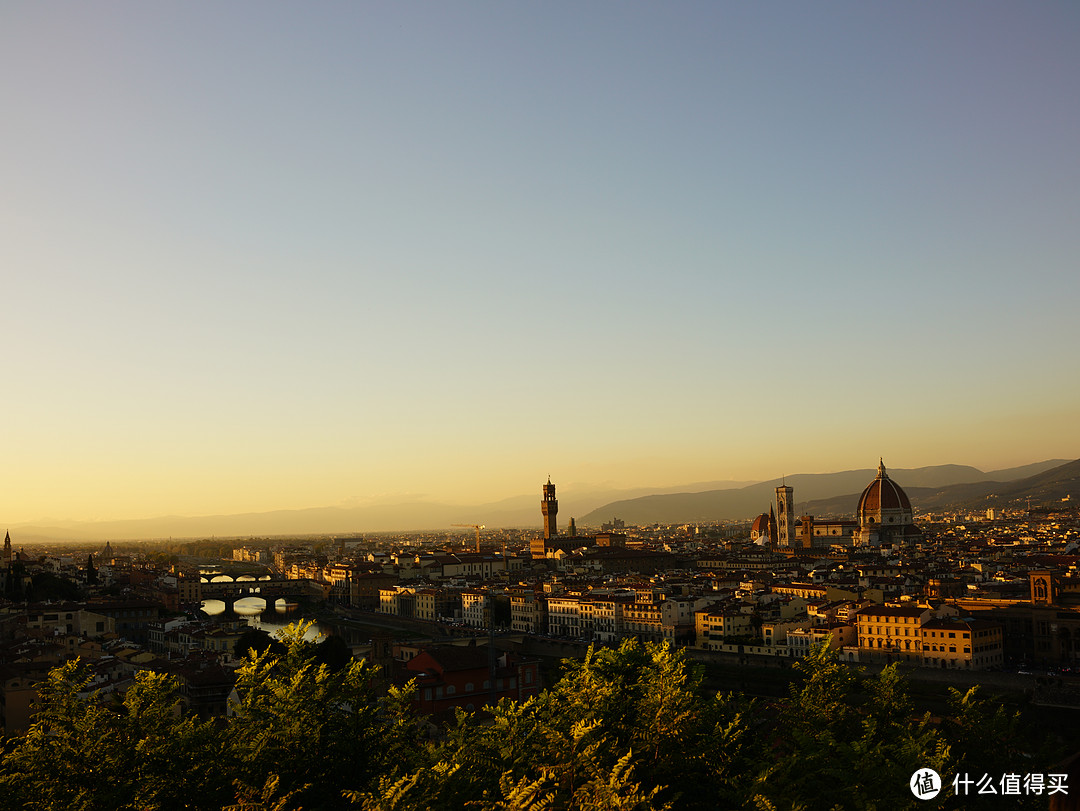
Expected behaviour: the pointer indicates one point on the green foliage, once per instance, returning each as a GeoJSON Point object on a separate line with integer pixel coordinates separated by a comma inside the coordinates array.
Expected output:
{"type": "Point", "coordinates": [334, 652]}
{"type": "Point", "coordinates": [268, 798]}
{"type": "Point", "coordinates": [258, 641]}
{"type": "Point", "coordinates": [617, 721]}
{"type": "Point", "coordinates": [987, 738]}
{"type": "Point", "coordinates": [48, 586]}
{"type": "Point", "coordinates": [423, 789]}
{"type": "Point", "coordinates": [859, 751]}
{"type": "Point", "coordinates": [320, 729]}
{"type": "Point", "coordinates": [83, 754]}
{"type": "Point", "coordinates": [623, 729]}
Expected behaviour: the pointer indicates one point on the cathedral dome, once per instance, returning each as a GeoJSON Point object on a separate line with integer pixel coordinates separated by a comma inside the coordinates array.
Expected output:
{"type": "Point", "coordinates": [760, 526]}
{"type": "Point", "coordinates": [884, 502]}
{"type": "Point", "coordinates": [883, 494]}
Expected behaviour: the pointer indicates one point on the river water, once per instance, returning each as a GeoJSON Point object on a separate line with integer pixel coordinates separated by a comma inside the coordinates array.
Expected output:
{"type": "Point", "coordinates": [272, 618]}
{"type": "Point", "coordinates": [275, 616]}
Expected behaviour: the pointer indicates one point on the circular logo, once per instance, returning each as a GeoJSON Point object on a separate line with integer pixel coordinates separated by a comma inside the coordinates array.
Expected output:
{"type": "Point", "coordinates": [925, 784]}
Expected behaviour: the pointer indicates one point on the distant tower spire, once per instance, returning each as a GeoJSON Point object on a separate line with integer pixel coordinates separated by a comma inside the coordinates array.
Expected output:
{"type": "Point", "coordinates": [550, 509]}
{"type": "Point", "coordinates": [7, 549]}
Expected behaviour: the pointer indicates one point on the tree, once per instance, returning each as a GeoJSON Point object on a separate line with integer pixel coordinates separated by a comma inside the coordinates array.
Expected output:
{"type": "Point", "coordinates": [856, 750]}
{"type": "Point", "coordinates": [319, 730]}
{"type": "Point", "coordinates": [48, 586]}
{"type": "Point", "coordinates": [625, 728]}
{"type": "Point", "coordinates": [258, 641]}
{"type": "Point", "coordinates": [334, 652]}
{"type": "Point", "coordinates": [622, 729]}
{"type": "Point", "coordinates": [82, 753]}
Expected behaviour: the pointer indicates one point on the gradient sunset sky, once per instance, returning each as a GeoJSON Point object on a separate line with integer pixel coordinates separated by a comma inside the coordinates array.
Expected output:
{"type": "Point", "coordinates": [266, 255]}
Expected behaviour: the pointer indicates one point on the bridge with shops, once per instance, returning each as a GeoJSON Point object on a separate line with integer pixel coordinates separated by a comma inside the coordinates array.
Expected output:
{"type": "Point", "coordinates": [268, 590]}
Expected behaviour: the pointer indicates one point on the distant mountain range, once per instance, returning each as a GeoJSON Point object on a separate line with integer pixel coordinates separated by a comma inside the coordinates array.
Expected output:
{"type": "Point", "coordinates": [417, 515]}
{"type": "Point", "coordinates": [822, 494]}
{"type": "Point", "coordinates": [1042, 489]}
{"type": "Point", "coordinates": [830, 494]}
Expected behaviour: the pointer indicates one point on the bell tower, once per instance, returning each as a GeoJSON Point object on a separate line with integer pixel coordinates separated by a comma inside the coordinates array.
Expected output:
{"type": "Point", "coordinates": [785, 517]}
{"type": "Point", "coordinates": [550, 508]}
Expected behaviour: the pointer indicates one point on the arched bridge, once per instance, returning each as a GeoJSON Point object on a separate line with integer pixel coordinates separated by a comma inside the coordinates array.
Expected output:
{"type": "Point", "coordinates": [269, 590]}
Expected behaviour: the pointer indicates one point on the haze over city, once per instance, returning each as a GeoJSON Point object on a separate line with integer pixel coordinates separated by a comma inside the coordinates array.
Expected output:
{"type": "Point", "coordinates": [264, 257]}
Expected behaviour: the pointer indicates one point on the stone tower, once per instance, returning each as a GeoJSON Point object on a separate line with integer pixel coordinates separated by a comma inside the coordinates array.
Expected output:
{"type": "Point", "coordinates": [550, 508]}
{"type": "Point", "coordinates": [785, 516]}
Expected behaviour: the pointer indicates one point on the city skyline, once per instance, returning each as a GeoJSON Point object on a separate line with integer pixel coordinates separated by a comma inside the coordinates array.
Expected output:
{"type": "Point", "coordinates": [262, 257]}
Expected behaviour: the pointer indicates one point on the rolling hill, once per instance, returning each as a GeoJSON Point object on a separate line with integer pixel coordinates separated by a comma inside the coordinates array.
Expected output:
{"type": "Point", "coordinates": [825, 494]}
{"type": "Point", "coordinates": [819, 494]}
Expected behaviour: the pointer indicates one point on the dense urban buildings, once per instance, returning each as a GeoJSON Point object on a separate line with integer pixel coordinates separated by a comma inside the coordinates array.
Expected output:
{"type": "Point", "coordinates": [962, 592]}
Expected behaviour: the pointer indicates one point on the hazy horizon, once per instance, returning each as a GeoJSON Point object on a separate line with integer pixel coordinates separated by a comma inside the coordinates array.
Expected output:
{"type": "Point", "coordinates": [268, 257]}
{"type": "Point", "coordinates": [577, 499]}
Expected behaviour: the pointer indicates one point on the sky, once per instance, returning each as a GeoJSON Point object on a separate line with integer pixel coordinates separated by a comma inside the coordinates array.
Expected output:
{"type": "Point", "coordinates": [267, 255]}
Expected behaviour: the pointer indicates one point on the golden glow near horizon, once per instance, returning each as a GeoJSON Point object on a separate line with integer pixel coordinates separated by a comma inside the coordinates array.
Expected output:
{"type": "Point", "coordinates": [373, 253]}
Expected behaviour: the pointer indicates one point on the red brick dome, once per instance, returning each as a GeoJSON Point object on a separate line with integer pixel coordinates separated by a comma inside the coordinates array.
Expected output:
{"type": "Point", "coordinates": [884, 502]}
{"type": "Point", "coordinates": [883, 494]}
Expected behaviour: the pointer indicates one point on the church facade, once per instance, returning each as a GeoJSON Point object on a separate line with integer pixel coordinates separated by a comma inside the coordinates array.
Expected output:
{"type": "Point", "coordinates": [883, 518]}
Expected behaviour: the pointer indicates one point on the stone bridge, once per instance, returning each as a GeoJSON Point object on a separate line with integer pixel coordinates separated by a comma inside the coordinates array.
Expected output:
{"type": "Point", "coordinates": [268, 590]}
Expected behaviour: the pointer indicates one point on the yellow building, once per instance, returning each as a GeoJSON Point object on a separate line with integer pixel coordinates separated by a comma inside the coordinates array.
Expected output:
{"type": "Point", "coordinates": [913, 634]}
{"type": "Point", "coordinates": [643, 620]}
{"type": "Point", "coordinates": [891, 633]}
{"type": "Point", "coordinates": [712, 626]}
{"type": "Point", "coordinates": [962, 644]}
{"type": "Point", "coordinates": [528, 611]}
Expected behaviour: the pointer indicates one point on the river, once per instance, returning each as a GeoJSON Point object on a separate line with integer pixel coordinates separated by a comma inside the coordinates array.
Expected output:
{"type": "Point", "coordinates": [272, 618]}
{"type": "Point", "coordinates": [275, 617]}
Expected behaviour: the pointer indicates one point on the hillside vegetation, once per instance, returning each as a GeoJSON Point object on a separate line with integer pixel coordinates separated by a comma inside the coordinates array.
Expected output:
{"type": "Point", "coordinates": [623, 729]}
